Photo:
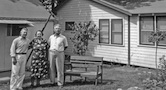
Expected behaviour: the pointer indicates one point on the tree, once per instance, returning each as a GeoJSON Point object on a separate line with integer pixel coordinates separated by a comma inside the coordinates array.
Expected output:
{"type": "Point", "coordinates": [155, 38]}
{"type": "Point", "coordinates": [50, 5]}
{"type": "Point", "coordinates": [83, 33]}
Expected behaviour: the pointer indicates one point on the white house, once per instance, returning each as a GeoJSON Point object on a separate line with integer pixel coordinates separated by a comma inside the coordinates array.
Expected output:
{"type": "Point", "coordinates": [124, 31]}
{"type": "Point", "coordinates": [15, 14]}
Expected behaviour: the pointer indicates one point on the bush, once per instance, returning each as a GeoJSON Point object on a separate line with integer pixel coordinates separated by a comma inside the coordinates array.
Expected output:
{"type": "Point", "coordinates": [158, 80]}
{"type": "Point", "coordinates": [83, 33]}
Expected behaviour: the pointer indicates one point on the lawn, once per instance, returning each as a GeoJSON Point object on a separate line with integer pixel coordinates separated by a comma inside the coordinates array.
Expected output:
{"type": "Point", "coordinates": [115, 77]}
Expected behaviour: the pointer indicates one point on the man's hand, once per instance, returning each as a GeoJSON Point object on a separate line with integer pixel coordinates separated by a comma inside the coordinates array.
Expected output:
{"type": "Point", "coordinates": [14, 60]}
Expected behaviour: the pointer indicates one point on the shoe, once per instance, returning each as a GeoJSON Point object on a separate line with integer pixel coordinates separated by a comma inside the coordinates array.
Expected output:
{"type": "Point", "coordinates": [52, 84]}
{"type": "Point", "coordinates": [37, 85]}
{"type": "Point", "coordinates": [60, 86]}
{"type": "Point", "coordinates": [14, 89]}
{"type": "Point", "coordinates": [32, 85]}
{"type": "Point", "coordinates": [18, 89]}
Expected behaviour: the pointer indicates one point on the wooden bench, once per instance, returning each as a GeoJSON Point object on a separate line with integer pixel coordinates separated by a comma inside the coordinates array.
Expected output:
{"type": "Point", "coordinates": [85, 67]}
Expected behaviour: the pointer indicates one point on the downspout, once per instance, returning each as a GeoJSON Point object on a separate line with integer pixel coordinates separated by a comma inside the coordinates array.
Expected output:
{"type": "Point", "coordinates": [129, 41]}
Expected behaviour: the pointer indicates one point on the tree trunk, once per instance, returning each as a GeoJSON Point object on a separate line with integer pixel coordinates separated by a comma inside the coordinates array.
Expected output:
{"type": "Point", "coordinates": [156, 56]}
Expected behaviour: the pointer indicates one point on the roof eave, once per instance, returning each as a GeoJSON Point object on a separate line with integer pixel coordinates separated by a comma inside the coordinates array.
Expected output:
{"type": "Point", "coordinates": [100, 2]}
{"type": "Point", "coordinates": [112, 7]}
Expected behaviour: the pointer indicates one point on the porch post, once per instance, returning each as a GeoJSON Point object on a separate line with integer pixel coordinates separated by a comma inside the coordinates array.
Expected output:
{"type": "Point", "coordinates": [129, 41]}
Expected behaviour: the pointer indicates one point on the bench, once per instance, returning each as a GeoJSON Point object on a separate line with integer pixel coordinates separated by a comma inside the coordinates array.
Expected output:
{"type": "Point", "coordinates": [84, 67]}
{"type": "Point", "coordinates": [4, 80]}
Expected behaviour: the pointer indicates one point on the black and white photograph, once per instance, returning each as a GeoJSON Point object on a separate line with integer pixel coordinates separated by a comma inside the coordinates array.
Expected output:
{"type": "Point", "coordinates": [82, 44]}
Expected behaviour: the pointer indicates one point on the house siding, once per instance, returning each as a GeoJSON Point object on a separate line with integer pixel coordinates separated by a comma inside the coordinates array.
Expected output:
{"type": "Point", "coordinates": [2, 49]}
{"type": "Point", "coordinates": [142, 55]}
{"type": "Point", "coordinates": [86, 10]}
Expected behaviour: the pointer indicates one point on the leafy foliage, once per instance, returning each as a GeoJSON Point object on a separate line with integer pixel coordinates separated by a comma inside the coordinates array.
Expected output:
{"type": "Point", "coordinates": [51, 4]}
{"type": "Point", "coordinates": [157, 36]}
{"type": "Point", "coordinates": [48, 4]}
{"type": "Point", "coordinates": [156, 81]}
{"type": "Point", "coordinates": [162, 68]}
{"type": "Point", "coordinates": [83, 33]}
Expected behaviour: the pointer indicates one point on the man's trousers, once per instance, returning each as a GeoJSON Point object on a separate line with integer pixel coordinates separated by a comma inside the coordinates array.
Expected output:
{"type": "Point", "coordinates": [18, 72]}
{"type": "Point", "coordinates": [56, 60]}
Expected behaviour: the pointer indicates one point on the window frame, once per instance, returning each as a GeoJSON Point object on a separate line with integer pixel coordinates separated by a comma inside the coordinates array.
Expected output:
{"type": "Point", "coordinates": [155, 26]}
{"type": "Point", "coordinates": [140, 30]}
{"type": "Point", "coordinates": [122, 33]}
{"type": "Point", "coordinates": [108, 30]}
{"type": "Point", "coordinates": [67, 28]}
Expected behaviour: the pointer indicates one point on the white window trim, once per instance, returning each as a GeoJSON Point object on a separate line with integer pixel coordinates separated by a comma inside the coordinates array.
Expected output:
{"type": "Point", "coordinates": [123, 28]}
{"type": "Point", "coordinates": [123, 23]}
{"type": "Point", "coordinates": [108, 31]}
{"type": "Point", "coordinates": [138, 28]}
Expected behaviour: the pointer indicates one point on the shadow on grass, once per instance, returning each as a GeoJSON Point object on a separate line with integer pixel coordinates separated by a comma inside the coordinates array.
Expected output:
{"type": "Point", "coordinates": [90, 82]}
{"type": "Point", "coordinates": [46, 85]}
{"type": "Point", "coordinates": [78, 82]}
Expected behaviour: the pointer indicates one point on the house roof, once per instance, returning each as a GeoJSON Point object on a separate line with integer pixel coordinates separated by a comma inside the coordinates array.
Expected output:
{"type": "Point", "coordinates": [158, 6]}
{"type": "Point", "coordinates": [111, 5]}
{"type": "Point", "coordinates": [31, 9]}
{"type": "Point", "coordinates": [103, 2]}
{"type": "Point", "coordinates": [23, 22]}
{"type": "Point", "coordinates": [134, 6]}
{"type": "Point", "coordinates": [142, 6]}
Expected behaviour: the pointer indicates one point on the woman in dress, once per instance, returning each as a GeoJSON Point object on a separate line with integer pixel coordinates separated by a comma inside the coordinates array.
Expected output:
{"type": "Point", "coordinates": [39, 62]}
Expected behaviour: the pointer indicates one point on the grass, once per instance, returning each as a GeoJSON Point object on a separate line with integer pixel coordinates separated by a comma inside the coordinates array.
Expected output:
{"type": "Point", "coordinates": [114, 77]}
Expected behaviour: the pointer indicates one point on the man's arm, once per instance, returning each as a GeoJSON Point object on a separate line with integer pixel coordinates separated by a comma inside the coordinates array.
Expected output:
{"type": "Point", "coordinates": [30, 44]}
{"type": "Point", "coordinates": [49, 41]}
{"type": "Point", "coordinates": [13, 52]}
{"type": "Point", "coordinates": [13, 49]}
{"type": "Point", "coordinates": [65, 43]}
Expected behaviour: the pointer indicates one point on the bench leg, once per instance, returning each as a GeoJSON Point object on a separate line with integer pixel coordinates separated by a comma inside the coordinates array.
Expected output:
{"type": "Point", "coordinates": [64, 78]}
{"type": "Point", "coordinates": [96, 81]}
{"type": "Point", "coordinates": [70, 78]}
{"type": "Point", "coordinates": [85, 79]}
{"type": "Point", "coordinates": [101, 79]}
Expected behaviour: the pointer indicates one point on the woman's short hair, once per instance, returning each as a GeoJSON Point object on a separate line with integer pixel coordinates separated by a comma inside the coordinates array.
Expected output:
{"type": "Point", "coordinates": [39, 31]}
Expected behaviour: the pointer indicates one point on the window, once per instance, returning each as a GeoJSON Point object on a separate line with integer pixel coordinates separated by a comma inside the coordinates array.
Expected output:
{"type": "Point", "coordinates": [161, 25]}
{"type": "Point", "coordinates": [148, 25]}
{"type": "Point", "coordinates": [146, 28]}
{"type": "Point", "coordinates": [117, 31]}
{"type": "Point", "coordinates": [13, 29]}
{"type": "Point", "coordinates": [68, 25]}
{"type": "Point", "coordinates": [104, 31]}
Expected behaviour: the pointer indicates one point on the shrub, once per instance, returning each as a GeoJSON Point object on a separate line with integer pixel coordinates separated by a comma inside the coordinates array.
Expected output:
{"type": "Point", "coordinates": [83, 33]}
{"type": "Point", "coordinates": [155, 38]}
{"type": "Point", "coordinates": [158, 80]}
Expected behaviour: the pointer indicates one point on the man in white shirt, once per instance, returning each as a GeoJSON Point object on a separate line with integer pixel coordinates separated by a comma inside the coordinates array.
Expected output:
{"type": "Point", "coordinates": [58, 43]}
{"type": "Point", "coordinates": [18, 51]}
